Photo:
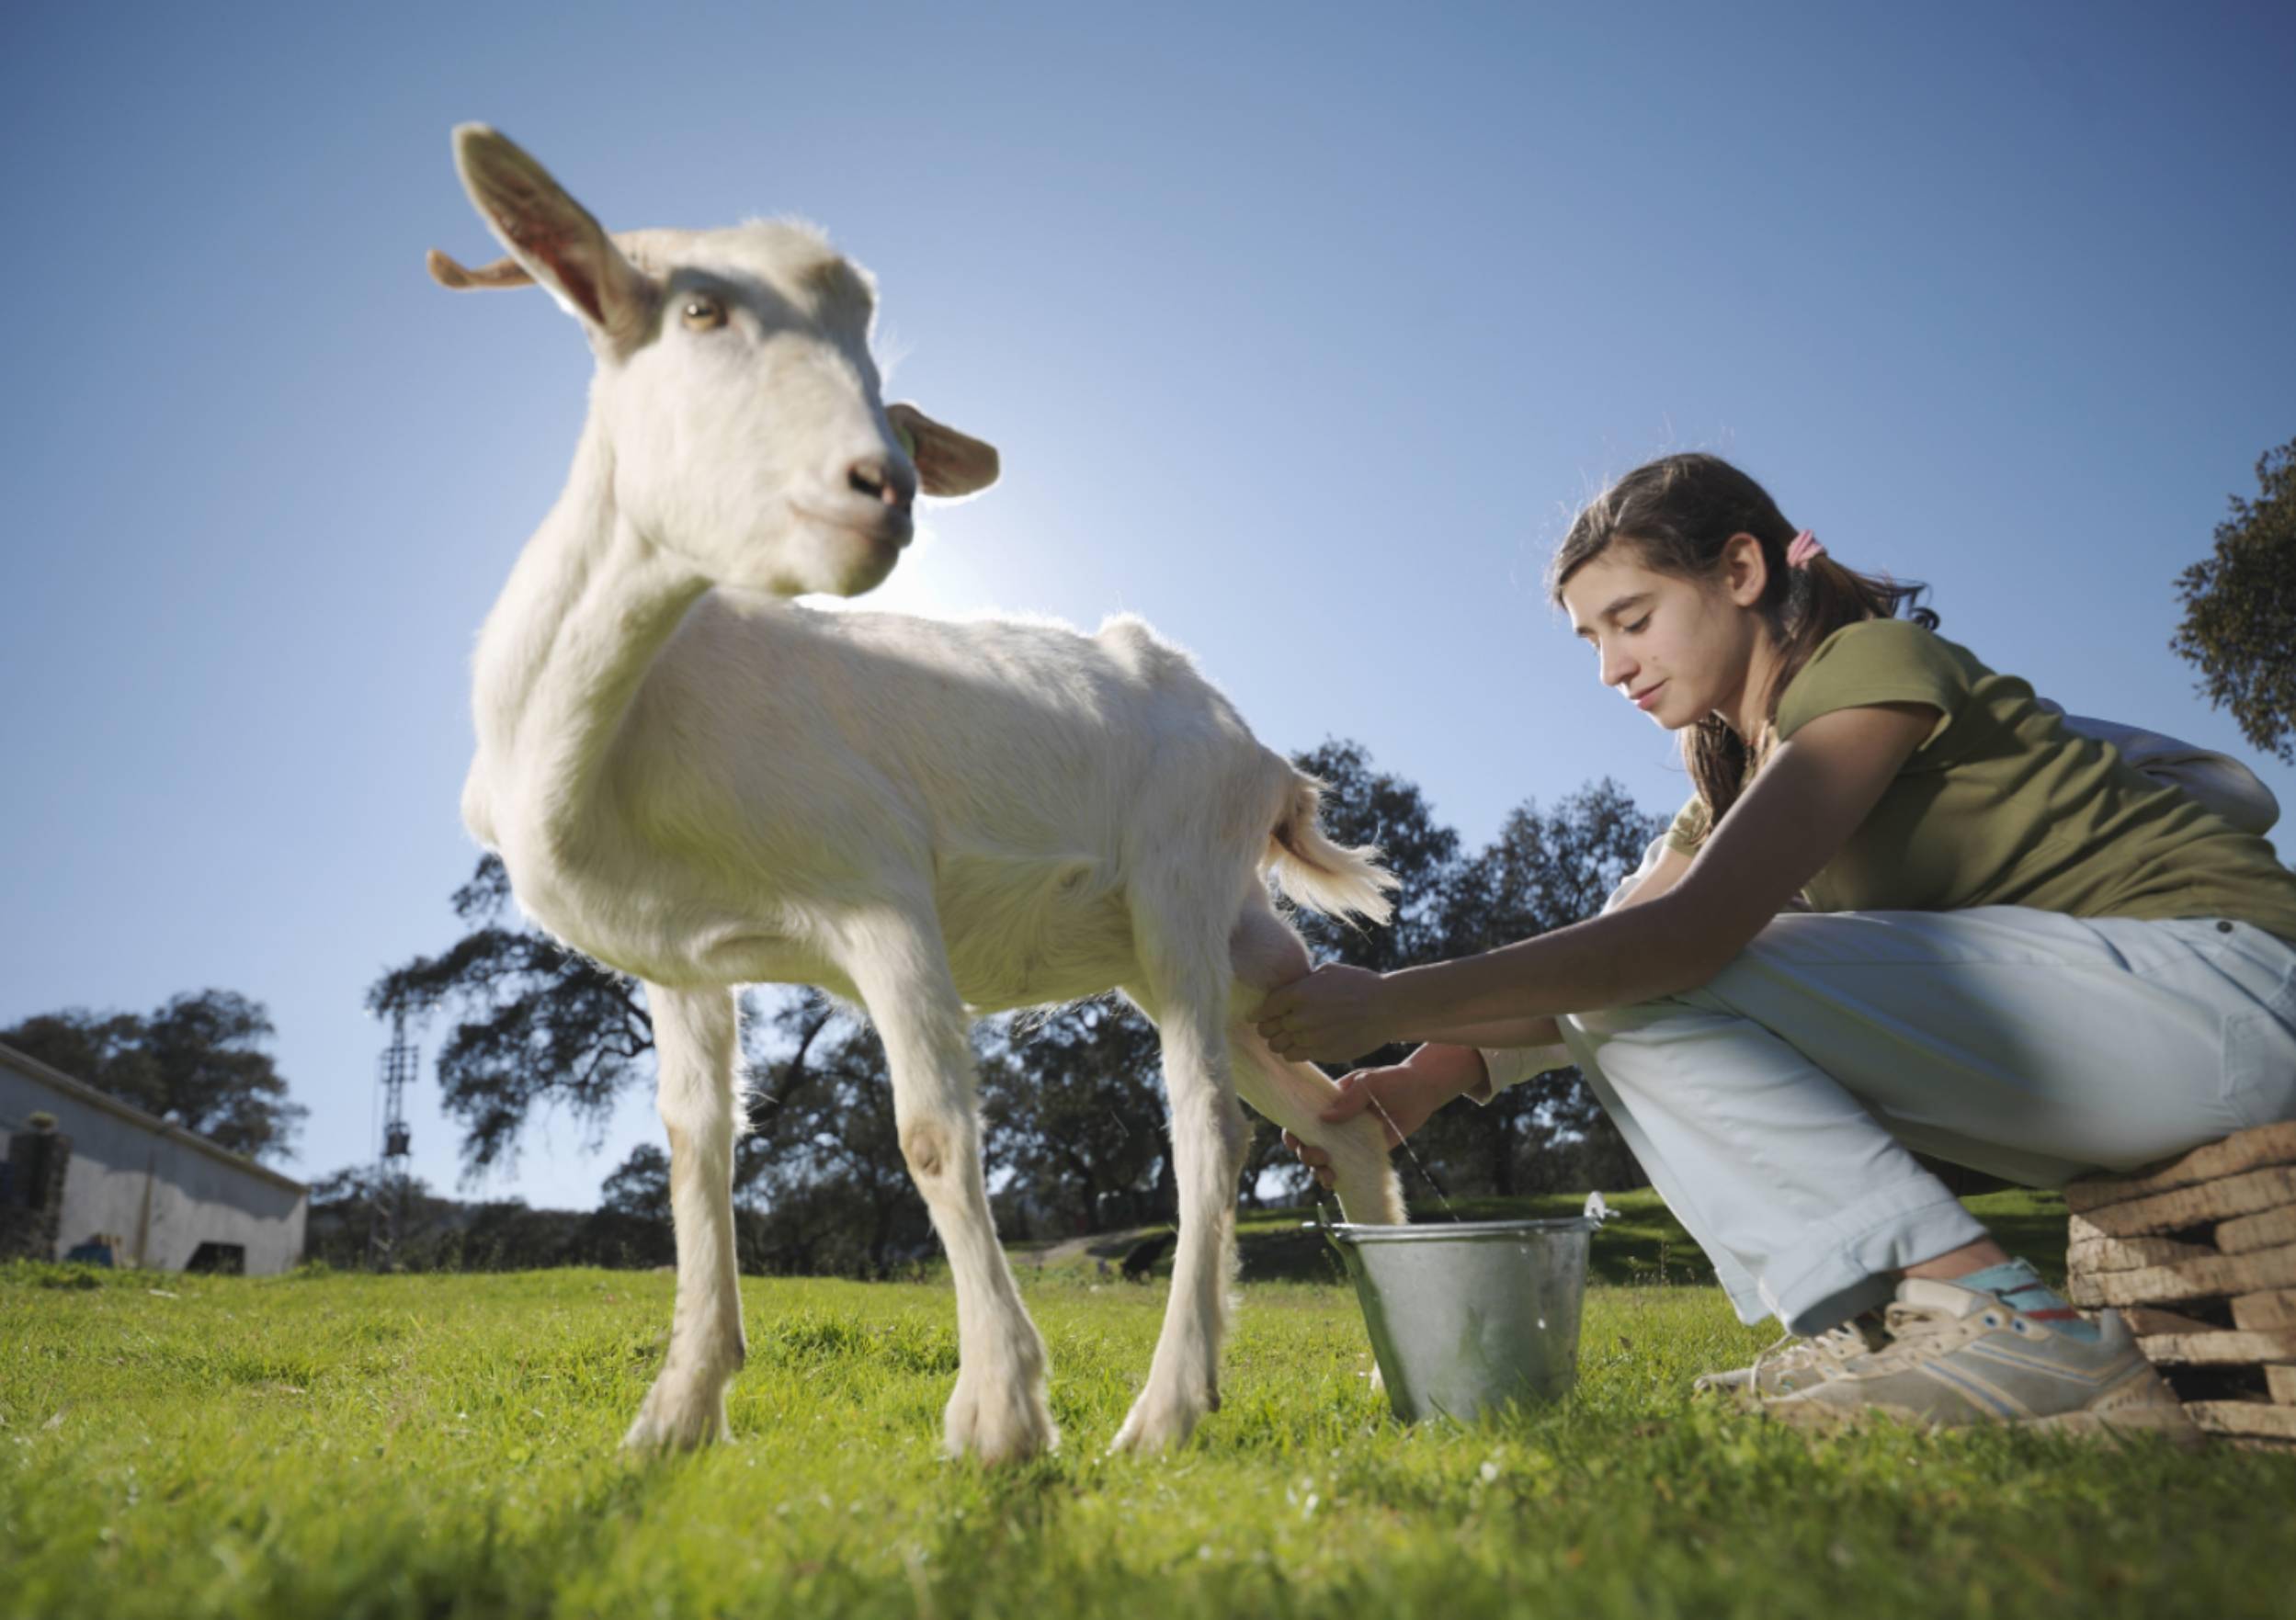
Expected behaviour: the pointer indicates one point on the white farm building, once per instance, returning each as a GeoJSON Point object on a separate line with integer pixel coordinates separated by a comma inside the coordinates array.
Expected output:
{"type": "Point", "coordinates": [160, 1195]}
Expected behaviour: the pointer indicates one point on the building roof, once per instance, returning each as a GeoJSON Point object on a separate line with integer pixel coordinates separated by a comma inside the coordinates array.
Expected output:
{"type": "Point", "coordinates": [81, 1091]}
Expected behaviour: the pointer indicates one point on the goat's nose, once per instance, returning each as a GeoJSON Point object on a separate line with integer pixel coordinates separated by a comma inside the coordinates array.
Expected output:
{"type": "Point", "coordinates": [882, 481]}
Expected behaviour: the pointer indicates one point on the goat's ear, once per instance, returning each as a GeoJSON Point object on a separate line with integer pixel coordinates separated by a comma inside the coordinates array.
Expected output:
{"type": "Point", "coordinates": [948, 462]}
{"type": "Point", "coordinates": [553, 237]}
{"type": "Point", "coordinates": [446, 272]}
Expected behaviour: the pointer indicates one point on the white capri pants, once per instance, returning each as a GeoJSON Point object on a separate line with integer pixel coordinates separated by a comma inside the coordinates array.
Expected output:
{"type": "Point", "coordinates": [1774, 1109]}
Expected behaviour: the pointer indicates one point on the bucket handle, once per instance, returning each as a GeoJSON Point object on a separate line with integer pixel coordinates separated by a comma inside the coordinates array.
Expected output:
{"type": "Point", "coordinates": [1322, 1223]}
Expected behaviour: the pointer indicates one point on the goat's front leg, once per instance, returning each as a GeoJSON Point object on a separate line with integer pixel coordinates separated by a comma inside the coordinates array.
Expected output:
{"type": "Point", "coordinates": [696, 1043]}
{"type": "Point", "coordinates": [896, 959]}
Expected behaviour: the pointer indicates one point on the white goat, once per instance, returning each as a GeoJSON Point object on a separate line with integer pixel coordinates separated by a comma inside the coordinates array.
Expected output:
{"type": "Point", "coordinates": [702, 785]}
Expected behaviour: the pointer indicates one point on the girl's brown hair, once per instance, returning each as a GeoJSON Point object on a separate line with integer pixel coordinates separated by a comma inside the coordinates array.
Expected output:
{"type": "Point", "coordinates": [1678, 514]}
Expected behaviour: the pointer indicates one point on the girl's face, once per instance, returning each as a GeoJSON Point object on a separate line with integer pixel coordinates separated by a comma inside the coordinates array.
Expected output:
{"type": "Point", "coordinates": [1678, 648]}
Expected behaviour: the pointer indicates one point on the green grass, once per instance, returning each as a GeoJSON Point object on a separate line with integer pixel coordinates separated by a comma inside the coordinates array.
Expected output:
{"type": "Point", "coordinates": [433, 1446]}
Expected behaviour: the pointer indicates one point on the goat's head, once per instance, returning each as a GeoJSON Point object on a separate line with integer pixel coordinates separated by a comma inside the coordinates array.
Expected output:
{"type": "Point", "coordinates": [735, 386]}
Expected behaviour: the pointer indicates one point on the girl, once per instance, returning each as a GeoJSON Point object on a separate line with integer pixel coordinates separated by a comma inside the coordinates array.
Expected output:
{"type": "Point", "coordinates": [2019, 954]}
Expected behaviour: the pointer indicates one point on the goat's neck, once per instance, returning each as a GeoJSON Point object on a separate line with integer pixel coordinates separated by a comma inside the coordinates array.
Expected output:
{"type": "Point", "coordinates": [589, 605]}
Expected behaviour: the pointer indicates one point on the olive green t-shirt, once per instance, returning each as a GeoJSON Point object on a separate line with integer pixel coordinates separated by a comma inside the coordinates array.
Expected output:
{"type": "Point", "coordinates": [2002, 806]}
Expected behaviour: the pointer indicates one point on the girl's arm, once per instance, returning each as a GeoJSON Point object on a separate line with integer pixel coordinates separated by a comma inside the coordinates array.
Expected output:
{"type": "Point", "coordinates": [1541, 1031]}
{"type": "Point", "coordinates": [1793, 818]}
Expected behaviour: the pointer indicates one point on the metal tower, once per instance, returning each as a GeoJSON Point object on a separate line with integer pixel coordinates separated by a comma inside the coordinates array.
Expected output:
{"type": "Point", "coordinates": [396, 1072]}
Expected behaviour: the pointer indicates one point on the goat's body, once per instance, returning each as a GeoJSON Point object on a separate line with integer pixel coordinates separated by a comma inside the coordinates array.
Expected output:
{"type": "Point", "coordinates": [774, 756]}
{"type": "Point", "coordinates": [706, 786]}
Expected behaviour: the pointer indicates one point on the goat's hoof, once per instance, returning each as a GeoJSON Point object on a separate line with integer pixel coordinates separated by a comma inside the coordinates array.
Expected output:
{"type": "Point", "coordinates": [1161, 1420]}
{"type": "Point", "coordinates": [677, 1419]}
{"type": "Point", "coordinates": [1006, 1422]}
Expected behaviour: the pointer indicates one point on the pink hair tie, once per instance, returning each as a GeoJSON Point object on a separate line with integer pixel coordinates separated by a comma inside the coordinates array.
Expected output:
{"type": "Point", "coordinates": [1804, 547]}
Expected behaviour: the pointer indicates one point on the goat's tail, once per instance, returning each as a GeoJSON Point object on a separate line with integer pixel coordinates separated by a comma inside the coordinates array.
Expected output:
{"type": "Point", "coordinates": [1322, 876]}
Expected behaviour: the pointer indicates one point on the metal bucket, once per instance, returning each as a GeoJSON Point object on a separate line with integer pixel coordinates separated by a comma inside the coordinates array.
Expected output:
{"type": "Point", "coordinates": [1467, 1316]}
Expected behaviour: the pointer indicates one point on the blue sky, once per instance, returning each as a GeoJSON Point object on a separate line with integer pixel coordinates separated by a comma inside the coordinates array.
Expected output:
{"type": "Point", "coordinates": [1302, 330]}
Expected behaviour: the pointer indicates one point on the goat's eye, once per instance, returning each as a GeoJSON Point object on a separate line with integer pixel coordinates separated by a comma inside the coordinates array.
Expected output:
{"type": "Point", "coordinates": [703, 312]}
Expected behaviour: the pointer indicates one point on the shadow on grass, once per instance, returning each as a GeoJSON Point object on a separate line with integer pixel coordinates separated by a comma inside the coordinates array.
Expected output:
{"type": "Point", "coordinates": [2027, 1224]}
{"type": "Point", "coordinates": [1642, 1245]}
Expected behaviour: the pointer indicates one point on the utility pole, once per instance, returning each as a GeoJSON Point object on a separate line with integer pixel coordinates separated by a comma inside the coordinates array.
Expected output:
{"type": "Point", "coordinates": [396, 1072]}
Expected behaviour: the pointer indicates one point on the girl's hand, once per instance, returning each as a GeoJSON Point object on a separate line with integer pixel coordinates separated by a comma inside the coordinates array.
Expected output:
{"type": "Point", "coordinates": [1334, 1014]}
{"type": "Point", "coordinates": [1406, 1094]}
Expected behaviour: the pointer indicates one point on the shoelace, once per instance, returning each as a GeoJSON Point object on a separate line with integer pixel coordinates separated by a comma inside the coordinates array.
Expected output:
{"type": "Point", "coordinates": [1837, 1343]}
{"type": "Point", "coordinates": [1753, 1373]}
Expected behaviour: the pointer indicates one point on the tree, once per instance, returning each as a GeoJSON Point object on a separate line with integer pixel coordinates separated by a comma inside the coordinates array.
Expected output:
{"type": "Point", "coordinates": [1365, 805]}
{"type": "Point", "coordinates": [502, 1234]}
{"type": "Point", "coordinates": [196, 1061]}
{"type": "Point", "coordinates": [2240, 611]}
{"type": "Point", "coordinates": [1075, 1106]}
{"type": "Point", "coordinates": [640, 1187]}
{"type": "Point", "coordinates": [1545, 870]}
{"type": "Point", "coordinates": [102, 1050]}
{"type": "Point", "coordinates": [345, 1208]}
{"type": "Point", "coordinates": [537, 1025]}
{"type": "Point", "coordinates": [823, 1152]}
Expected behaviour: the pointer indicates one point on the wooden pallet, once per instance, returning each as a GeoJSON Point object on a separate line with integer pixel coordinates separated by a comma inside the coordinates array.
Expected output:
{"type": "Point", "coordinates": [2199, 1257]}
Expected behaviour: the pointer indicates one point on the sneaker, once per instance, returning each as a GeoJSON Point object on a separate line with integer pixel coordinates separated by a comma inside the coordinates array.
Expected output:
{"type": "Point", "coordinates": [1958, 1356]}
{"type": "Point", "coordinates": [1797, 1364]}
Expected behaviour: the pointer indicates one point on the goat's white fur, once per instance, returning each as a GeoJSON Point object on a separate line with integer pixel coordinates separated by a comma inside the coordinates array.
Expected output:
{"type": "Point", "coordinates": [702, 784]}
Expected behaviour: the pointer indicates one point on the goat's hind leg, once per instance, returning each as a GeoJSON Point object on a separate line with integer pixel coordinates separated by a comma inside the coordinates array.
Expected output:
{"type": "Point", "coordinates": [695, 1036]}
{"type": "Point", "coordinates": [1265, 953]}
{"type": "Point", "coordinates": [1185, 958]}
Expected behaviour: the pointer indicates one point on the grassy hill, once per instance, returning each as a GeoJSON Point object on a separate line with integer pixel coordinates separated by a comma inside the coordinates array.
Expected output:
{"type": "Point", "coordinates": [437, 1446]}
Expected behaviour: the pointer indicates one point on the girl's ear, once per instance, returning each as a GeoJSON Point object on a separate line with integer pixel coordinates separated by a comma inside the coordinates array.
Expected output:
{"type": "Point", "coordinates": [1746, 570]}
